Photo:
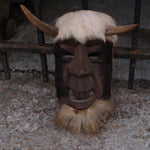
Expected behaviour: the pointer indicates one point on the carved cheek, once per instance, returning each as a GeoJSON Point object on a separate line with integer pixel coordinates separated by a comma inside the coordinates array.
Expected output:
{"type": "Point", "coordinates": [99, 78]}
{"type": "Point", "coordinates": [65, 73]}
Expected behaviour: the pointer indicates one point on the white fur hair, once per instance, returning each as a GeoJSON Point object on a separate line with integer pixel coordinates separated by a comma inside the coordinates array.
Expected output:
{"type": "Point", "coordinates": [85, 121]}
{"type": "Point", "coordinates": [84, 25]}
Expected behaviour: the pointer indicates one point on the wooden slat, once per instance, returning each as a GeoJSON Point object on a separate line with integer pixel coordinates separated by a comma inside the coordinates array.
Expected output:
{"type": "Point", "coordinates": [119, 52]}
{"type": "Point", "coordinates": [27, 48]}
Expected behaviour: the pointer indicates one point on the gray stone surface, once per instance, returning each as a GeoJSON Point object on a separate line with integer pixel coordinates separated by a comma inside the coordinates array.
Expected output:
{"type": "Point", "coordinates": [28, 107]}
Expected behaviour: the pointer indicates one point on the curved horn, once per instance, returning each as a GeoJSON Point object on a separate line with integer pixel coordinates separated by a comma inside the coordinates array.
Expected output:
{"type": "Point", "coordinates": [120, 29]}
{"type": "Point", "coordinates": [46, 28]}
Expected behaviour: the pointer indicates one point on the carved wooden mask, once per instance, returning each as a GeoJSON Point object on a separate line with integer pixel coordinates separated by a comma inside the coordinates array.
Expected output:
{"type": "Point", "coordinates": [83, 72]}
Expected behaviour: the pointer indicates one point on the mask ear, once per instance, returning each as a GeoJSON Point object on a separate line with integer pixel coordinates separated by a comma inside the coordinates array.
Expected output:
{"type": "Point", "coordinates": [46, 28]}
{"type": "Point", "coordinates": [120, 29]}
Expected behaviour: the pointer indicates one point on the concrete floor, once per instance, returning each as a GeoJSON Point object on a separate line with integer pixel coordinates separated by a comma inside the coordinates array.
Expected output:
{"type": "Point", "coordinates": [28, 107]}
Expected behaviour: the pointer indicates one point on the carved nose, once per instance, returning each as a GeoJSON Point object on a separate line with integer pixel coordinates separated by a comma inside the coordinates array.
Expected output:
{"type": "Point", "coordinates": [84, 70]}
{"type": "Point", "coordinates": [80, 68]}
{"type": "Point", "coordinates": [80, 65]}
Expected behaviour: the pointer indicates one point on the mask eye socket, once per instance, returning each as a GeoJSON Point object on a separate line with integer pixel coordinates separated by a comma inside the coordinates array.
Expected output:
{"type": "Point", "coordinates": [67, 56]}
{"type": "Point", "coordinates": [95, 57]}
{"type": "Point", "coordinates": [94, 54]}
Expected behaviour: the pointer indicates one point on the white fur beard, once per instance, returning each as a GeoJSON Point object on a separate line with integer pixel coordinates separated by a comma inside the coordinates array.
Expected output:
{"type": "Point", "coordinates": [84, 121]}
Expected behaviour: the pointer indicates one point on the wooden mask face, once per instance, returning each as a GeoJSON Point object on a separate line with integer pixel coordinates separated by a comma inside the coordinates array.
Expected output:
{"type": "Point", "coordinates": [83, 72]}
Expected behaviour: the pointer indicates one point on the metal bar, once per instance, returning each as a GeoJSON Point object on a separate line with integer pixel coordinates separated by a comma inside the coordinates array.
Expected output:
{"type": "Point", "coordinates": [27, 48]}
{"type": "Point", "coordinates": [135, 32]}
{"type": "Point", "coordinates": [5, 66]}
{"type": "Point", "coordinates": [4, 58]}
{"type": "Point", "coordinates": [37, 4]}
{"type": "Point", "coordinates": [85, 4]}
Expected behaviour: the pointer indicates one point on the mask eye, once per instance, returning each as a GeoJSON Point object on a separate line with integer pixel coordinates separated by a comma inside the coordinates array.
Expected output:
{"type": "Point", "coordinates": [95, 57]}
{"type": "Point", "coordinates": [67, 56]}
{"type": "Point", "coordinates": [94, 54]}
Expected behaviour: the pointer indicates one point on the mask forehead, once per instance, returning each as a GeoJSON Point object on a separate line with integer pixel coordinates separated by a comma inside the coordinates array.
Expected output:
{"type": "Point", "coordinates": [84, 25]}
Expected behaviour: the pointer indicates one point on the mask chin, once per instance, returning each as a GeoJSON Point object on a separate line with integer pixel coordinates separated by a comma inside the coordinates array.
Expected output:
{"type": "Point", "coordinates": [79, 101]}
{"type": "Point", "coordinates": [84, 121]}
{"type": "Point", "coordinates": [75, 104]}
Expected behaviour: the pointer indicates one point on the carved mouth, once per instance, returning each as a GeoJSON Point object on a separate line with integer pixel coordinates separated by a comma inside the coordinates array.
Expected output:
{"type": "Point", "coordinates": [81, 97]}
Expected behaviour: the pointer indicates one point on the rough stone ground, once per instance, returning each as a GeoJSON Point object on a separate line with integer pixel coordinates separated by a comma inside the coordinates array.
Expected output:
{"type": "Point", "coordinates": [28, 106]}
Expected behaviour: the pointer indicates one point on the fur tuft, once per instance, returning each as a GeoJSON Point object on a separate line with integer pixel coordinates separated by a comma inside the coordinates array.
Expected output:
{"type": "Point", "coordinates": [84, 121]}
{"type": "Point", "coordinates": [84, 25]}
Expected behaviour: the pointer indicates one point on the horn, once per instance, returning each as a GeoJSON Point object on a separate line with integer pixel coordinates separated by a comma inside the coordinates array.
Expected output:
{"type": "Point", "coordinates": [46, 28]}
{"type": "Point", "coordinates": [120, 29]}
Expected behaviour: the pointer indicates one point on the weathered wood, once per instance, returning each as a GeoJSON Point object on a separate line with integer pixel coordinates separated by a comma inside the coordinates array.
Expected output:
{"type": "Point", "coordinates": [119, 52]}
{"type": "Point", "coordinates": [139, 53]}
{"type": "Point", "coordinates": [27, 48]}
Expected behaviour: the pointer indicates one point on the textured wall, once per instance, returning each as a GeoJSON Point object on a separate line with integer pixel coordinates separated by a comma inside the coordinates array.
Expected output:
{"type": "Point", "coordinates": [122, 11]}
